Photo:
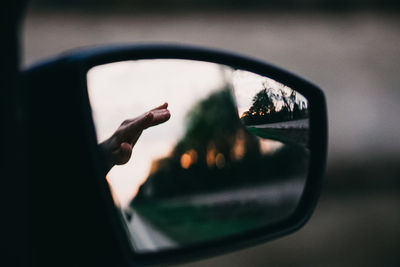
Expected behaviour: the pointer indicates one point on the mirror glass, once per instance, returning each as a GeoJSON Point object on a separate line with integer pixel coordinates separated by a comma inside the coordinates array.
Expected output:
{"type": "Point", "coordinates": [228, 155]}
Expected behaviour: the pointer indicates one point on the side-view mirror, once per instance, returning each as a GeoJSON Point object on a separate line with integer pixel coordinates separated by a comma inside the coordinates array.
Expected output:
{"type": "Point", "coordinates": [239, 161]}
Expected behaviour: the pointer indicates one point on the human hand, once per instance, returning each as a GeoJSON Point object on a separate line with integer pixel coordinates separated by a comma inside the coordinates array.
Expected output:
{"type": "Point", "coordinates": [118, 148]}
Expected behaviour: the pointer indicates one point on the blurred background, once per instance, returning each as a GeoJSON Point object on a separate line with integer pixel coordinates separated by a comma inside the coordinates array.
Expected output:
{"type": "Point", "coordinates": [351, 49]}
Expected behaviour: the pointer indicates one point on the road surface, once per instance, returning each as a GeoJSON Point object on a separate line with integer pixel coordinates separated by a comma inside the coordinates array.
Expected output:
{"type": "Point", "coordinates": [145, 236]}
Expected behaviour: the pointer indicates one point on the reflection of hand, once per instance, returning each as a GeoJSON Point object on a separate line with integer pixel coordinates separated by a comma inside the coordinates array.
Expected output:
{"type": "Point", "coordinates": [118, 148]}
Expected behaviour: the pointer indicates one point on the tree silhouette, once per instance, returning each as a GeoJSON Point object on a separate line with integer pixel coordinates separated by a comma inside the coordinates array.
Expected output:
{"type": "Point", "coordinates": [274, 105]}
{"type": "Point", "coordinates": [262, 103]}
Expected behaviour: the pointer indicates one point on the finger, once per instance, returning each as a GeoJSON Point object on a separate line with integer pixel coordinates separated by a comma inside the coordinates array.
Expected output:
{"type": "Point", "coordinates": [159, 116]}
{"type": "Point", "coordinates": [129, 130]}
{"type": "Point", "coordinates": [141, 122]}
{"type": "Point", "coordinates": [163, 106]}
{"type": "Point", "coordinates": [128, 121]}
{"type": "Point", "coordinates": [146, 120]}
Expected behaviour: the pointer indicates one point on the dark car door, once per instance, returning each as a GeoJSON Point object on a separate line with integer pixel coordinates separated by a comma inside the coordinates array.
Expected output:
{"type": "Point", "coordinates": [13, 190]}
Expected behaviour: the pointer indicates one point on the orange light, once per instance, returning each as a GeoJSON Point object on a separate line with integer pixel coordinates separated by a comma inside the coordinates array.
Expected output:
{"type": "Point", "coordinates": [185, 161]}
{"type": "Point", "coordinates": [239, 148]}
{"type": "Point", "coordinates": [210, 158]}
{"type": "Point", "coordinates": [188, 158]}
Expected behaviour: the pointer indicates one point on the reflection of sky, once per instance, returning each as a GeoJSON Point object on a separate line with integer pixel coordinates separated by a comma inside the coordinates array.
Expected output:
{"type": "Point", "coordinates": [125, 90]}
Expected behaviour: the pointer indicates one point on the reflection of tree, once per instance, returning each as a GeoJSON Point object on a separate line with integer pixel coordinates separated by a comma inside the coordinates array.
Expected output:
{"type": "Point", "coordinates": [274, 105]}
{"type": "Point", "coordinates": [213, 128]}
{"type": "Point", "coordinates": [217, 151]}
{"type": "Point", "coordinates": [262, 104]}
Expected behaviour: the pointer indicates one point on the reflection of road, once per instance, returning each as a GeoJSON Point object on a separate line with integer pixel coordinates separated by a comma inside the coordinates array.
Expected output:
{"type": "Point", "coordinates": [272, 202]}
{"type": "Point", "coordinates": [292, 132]}
{"type": "Point", "coordinates": [295, 124]}
{"type": "Point", "coordinates": [145, 236]}
{"type": "Point", "coordinates": [271, 194]}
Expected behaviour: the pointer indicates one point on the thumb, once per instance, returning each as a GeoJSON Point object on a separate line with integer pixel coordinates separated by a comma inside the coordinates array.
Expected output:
{"type": "Point", "coordinates": [123, 154]}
